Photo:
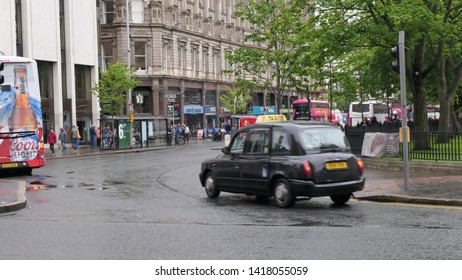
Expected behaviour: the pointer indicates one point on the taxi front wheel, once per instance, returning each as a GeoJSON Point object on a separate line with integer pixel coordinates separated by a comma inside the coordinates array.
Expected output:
{"type": "Point", "coordinates": [283, 194]}
{"type": "Point", "coordinates": [210, 187]}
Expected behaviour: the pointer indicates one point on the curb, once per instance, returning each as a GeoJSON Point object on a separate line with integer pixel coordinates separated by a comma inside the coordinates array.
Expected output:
{"type": "Point", "coordinates": [106, 152]}
{"type": "Point", "coordinates": [412, 200]}
{"type": "Point", "coordinates": [20, 201]}
{"type": "Point", "coordinates": [442, 168]}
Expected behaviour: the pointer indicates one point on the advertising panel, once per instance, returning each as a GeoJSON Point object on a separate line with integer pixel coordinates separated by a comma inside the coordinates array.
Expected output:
{"type": "Point", "coordinates": [123, 134]}
{"type": "Point", "coordinates": [376, 144]}
{"type": "Point", "coordinates": [20, 113]}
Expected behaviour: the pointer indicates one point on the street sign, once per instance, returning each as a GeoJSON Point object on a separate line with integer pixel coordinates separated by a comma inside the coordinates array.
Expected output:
{"type": "Point", "coordinates": [170, 96]}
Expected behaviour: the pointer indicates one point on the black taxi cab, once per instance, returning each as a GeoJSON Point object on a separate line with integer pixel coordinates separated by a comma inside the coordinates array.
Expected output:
{"type": "Point", "coordinates": [285, 160]}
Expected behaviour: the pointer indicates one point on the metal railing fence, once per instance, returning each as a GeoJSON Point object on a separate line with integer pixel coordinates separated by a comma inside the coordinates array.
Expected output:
{"type": "Point", "coordinates": [431, 145]}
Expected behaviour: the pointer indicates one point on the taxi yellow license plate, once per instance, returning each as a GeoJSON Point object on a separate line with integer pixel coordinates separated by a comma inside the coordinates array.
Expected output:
{"type": "Point", "coordinates": [10, 165]}
{"type": "Point", "coordinates": [336, 165]}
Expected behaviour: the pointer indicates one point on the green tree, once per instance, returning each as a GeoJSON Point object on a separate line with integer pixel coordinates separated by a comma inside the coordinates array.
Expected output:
{"type": "Point", "coordinates": [112, 87]}
{"type": "Point", "coordinates": [236, 100]}
{"type": "Point", "coordinates": [433, 47]}
{"type": "Point", "coordinates": [268, 59]}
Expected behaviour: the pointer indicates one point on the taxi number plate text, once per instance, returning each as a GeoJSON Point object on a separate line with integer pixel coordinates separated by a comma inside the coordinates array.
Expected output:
{"type": "Point", "coordinates": [336, 165]}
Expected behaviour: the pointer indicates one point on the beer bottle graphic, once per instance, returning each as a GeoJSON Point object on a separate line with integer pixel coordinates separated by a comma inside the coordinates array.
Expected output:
{"type": "Point", "coordinates": [22, 117]}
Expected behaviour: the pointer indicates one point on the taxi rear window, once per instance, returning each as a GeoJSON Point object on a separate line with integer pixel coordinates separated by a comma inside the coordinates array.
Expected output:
{"type": "Point", "coordinates": [314, 138]}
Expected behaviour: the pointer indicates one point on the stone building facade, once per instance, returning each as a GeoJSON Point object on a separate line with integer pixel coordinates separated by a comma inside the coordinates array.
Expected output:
{"type": "Point", "coordinates": [62, 36]}
{"type": "Point", "coordinates": [178, 48]}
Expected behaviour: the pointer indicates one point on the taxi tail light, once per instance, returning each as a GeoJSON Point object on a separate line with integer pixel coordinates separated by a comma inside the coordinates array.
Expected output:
{"type": "Point", "coordinates": [307, 168]}
{"type": "Point", "coordinates": [360, 165]}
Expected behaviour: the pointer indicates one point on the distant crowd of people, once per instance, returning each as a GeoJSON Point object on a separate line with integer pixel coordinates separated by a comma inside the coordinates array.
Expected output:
{"type": "Point", "coordinates": [75, 137]}
{"type": "Point", "coordinates": [374, 122]}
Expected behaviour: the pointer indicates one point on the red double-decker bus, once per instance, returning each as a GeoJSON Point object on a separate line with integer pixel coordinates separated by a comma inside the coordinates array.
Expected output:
{"type": "Point", "coordinates": [316, 110]}
{"type": "Point", "coordinates": [21, 129]}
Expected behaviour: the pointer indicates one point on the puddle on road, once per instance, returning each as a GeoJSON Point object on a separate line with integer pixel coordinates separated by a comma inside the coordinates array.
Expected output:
{"type": "Point", "coordinates": [39, 185]}
{"type": "Point", "coordinates": [96, 189]}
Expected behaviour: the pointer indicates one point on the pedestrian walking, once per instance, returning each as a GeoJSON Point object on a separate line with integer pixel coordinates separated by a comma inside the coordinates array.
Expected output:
{"type": "Point", "coordinates": [62, 138]}
{"type": "Point", "coordinates": [106, 136]}
{"type": "Point", "coordinates": [177, 133]}
{"type": "Point", "coordinates": [111, 138]}
{"type": "Point", "coordinates": [98, 136]}
{"type": "Point", "coordinates": [75, 137]}
{"type": "Point", "coordinates": [186, 133]}
{"type": "Point", "coordinates": [52, 141]}
{"type": "Point", "coordinates": [93, 135]}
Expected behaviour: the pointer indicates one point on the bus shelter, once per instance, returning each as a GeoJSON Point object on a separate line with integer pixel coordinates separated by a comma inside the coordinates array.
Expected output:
{"type": "Point", "coordinates": [148, 131]}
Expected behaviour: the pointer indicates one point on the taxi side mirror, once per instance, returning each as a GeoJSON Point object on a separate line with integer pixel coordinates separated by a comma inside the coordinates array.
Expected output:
{"type": "Point", "coordinates": [225, 150]}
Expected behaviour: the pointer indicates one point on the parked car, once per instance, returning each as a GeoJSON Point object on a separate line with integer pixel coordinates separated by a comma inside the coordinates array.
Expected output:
{"type": "Point", "coordinates": [285, 160]}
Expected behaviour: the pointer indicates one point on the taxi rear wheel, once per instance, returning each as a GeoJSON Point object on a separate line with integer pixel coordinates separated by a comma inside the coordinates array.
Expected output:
{"type": "Point", "coordinates": [341, 198]}
{"type": "Point", "coordinates": [283, 193]}
{"type": "Point", "coordinates": [210, 186]}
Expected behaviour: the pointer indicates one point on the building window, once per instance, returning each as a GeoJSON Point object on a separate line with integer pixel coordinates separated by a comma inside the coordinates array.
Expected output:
{"type": "Point", "coordinates": [137, 11]}
{"type": "Point", "coordinates": [192, 97]}
{"type": "Point", "coordinates": [64, 83]}
{"type": "Point", "coordinates": [210, 98]}
{"type": "Point", "coordinates": [108, 12]}
{"type": "Point", "coordinates": [270, 99]}
{"type": "Point", "coordinates": [166, 57]}
{"type": "Point", "coordinates": [216, 67]}
{"type": "Point", "coordinates": [62, 31]}
{"type": "Point", "coordinates": [18, 20]}
{"type": "Point", "coordinates": [182, 57]}
{"type": "Point", "coordinates": [140, 55]}
{"type": "Point", "coordinates": [82, 81]}
{"type": "Point", "coordinates": [205, 61]}
{"type": "Point", "coordinates": [108, 55]}
{"type": "Point", "coordinates": [194, 61]}
{"type": "Point", "coordinates": [227, 66]}
{"type": "Point", "coordinates": [141, 100]}
{"type": "Point", "coordinates": [45, 72]}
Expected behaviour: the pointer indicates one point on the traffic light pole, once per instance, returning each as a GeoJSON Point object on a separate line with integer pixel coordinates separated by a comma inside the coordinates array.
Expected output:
{"type": "Point", "coordinates": [129, 93]}
{"type": "Point", "coordinates": [402, 79]}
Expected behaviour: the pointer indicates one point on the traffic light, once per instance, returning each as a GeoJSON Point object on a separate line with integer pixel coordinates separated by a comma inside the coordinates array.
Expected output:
{"type": "Point", "coordinates": [2, 79]}
{"type": "Point", "coordinates": [395, 63]}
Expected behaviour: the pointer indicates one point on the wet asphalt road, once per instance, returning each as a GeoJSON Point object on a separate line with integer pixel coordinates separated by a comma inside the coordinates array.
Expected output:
{"type": "Point", "coordinates": [150, 205]}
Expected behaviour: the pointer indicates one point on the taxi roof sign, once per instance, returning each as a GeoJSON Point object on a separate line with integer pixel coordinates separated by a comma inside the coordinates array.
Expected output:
{"type": "Point", "coordinates": [271, 118]}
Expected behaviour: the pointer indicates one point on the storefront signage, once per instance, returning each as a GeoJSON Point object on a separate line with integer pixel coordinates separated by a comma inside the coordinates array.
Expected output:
{"type": "Point", "coordinates": [210, 110]}
{"type": "Point", "coordinates": [261, 110]}
{"type": "Point", "coordinates": [193, 109]}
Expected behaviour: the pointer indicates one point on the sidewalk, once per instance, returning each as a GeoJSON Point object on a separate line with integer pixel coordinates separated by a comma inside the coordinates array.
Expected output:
{"type": "Point", "coordinates": [434, 183]}
{"type": "Point", "coordinates": [430, 182]}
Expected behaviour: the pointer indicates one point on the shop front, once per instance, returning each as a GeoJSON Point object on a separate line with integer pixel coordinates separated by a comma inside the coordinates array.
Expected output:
{"type": "Point", "coordinates": [210, 117]}
{"type": "Point", "coordinates": [193, 115]}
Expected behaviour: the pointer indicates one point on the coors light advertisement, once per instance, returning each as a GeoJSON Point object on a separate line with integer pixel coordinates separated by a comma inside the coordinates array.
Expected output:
{"type": "Point", "coordinates": [20, 113]}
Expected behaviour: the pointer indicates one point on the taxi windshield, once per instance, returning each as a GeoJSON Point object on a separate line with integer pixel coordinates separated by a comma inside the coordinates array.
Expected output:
{"type": "Point", "coordinates": [323, 138]}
